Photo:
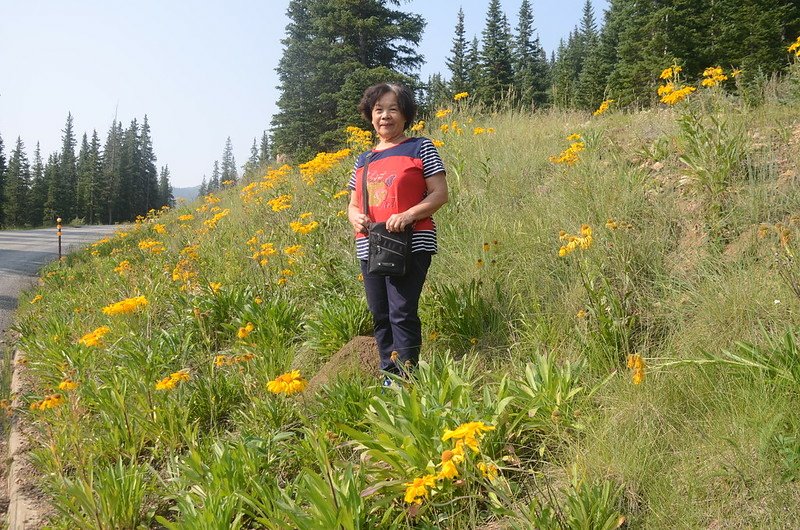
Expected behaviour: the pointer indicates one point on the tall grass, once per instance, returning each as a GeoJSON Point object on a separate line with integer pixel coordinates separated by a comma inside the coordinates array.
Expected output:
{"type": "Point", "coordinates": [171, 422]}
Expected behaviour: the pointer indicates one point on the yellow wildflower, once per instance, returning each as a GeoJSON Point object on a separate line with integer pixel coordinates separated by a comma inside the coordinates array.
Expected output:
{"type": "Point", "coordinates": [212, 223]}
{"type": "Point", "coordinates": [158, 228]}
{"type": "Point", "coordinates": [460, 96]}
{"type": "Point", "coordinates": [669, 73]}
{"type": "Point", "coordinates": [713, 75]}
{"type": "Point", "coordinates": [280, 202]}
{"type": "Point", "coordinates": [184, 218]}
{"type": "Point", "coordinates": [418, 127]}
{"type": "Point", "coordinates": [295, 250]}
{"type": "Point", "coordinates": [342, 193]}
{"type": "Point", "coordinates": [155, 247]}
{"type": "Point", "coordinates": [128, 305]}
{"type": "Point", "coordinates": [603, 107]}
{"type": "Point", "coordinates": [288, 383]}
{"type": "Point", "coordinates": [123, 268]}
{"type": "Point", "coordinates": [359, 139]}
{"type": "Point", "coordinates": [67, 385]}
{"type": "Point", "coordinates": [245, 330]}
{"type": "Point", "coordinates": [49, 402]}
{"type": "Point", "coordinates": [443, 113]}
{"type": "Point", "coordinates": [468, 433]}
{"type": "Point", "coordinates": [95, 337]}
{"type": "Point", "coordinates": [320, 164]}
{"type": "Point", "coordinates": [302, 228]}
{"type": "Point", "coordinates": [418, 489]}
{"type": "Point", "coordinates": [36, 299]}
{"type": "Point", "coordinates": [678, 95]}
{"type": "Point", "coordinates": [215, 286]}
{"type": "Point", "coordinates": [489, 470]}
{"type": "Point", "coordinates": [636, 363]}
{"type": "Point", "coordinates": [437, 143]}
{"type": "Point", "coordinates": [172, 380]}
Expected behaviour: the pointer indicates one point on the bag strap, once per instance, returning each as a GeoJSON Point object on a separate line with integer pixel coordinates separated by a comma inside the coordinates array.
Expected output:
{"type": "Point", "coordinates": [364, 191]}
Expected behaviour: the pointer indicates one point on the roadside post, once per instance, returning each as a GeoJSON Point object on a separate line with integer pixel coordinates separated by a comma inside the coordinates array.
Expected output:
{"type": "Point", "coordinates": [58, 228]}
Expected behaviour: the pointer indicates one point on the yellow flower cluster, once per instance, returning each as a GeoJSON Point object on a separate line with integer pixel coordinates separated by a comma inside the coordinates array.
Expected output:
{"type": "Point", "coordinates": [671, 72]}
{"type": "Point", "coordinates": [340, 194]}
{"type": "Point", "coordinates": [603, 107]}
{"type": "Point", "coordinates": [417, 127]}
{"type": "Point", "coordinates": [155, 247]}
{"type": "Point", "coordinates": [443, 113]}
{"type": "Point", "coordinates": [261, 254]}
{"type": "Point", "coordinates": [212, 223]}
{"type": "Point", "coordinates": [358, 138]}
{"type": "Point", "coordinates": [215, 286]}
{"type": "Point", "coordinates": [465, 435]}
{"type": "Point", "coordinates": [129, 305]}
{"type": "Point", "coordinates": [50, 402]}
{"type": "Point", "coordinates": [36, 299]}
{"type": "Point", "coordinates": [190, 251]}
{"type": "Point", "coordinates": [67, 385]}
{"type": "Point", "coordinates": [281, 202]}
{"type": "Point", "coordinates": [572, 153]}
{"type": "Point", "coordinates": [636, 364]}
{"type": "Point", "coordinates": [123, 268]}
{"type": "Point", "coordinates": [288, 383]}
{"type": "Point", "coordinates": [437, 143]}
{"type": "Point", "coordinates": [613, 224]}
{"type": "Point", "coordinates": [481, 130]}
{"type": "Point", "coordinates": [451, 127]}
{"type": "Point", "coordinates": [794, 47]}
{"type": "Point", "coordinates": [185, 218]}
{"type": "Point", "coordinates": [227, 182]}
{"type": "Point", "coordinates": [252, 192]}
{"type": "Point", "coordinates": [671, 95]}
{"type": "Point", "coordinates": [712, 76]}
{"type": "Point", "coordinates": [230, 360]}
{"type": "Point", "coordinates": [172, 380]}
{"type": "Point", "coordinates": [95, 337]}
{"type": "Point", "coordinates": [184, 271]}
{"type": "Point", "coordinates": [244, 331]}
{"type": "Point", "coordinates": [572, 242]}
{"type": "Point", "coordinates": [322, 163]}
{"type": "Point", "coordinates": [460, 96]}
{"type": "Point", "coordinates": [304, 228]}
{"type": "Point", "coordinates": [294, 250]}
{"type": "Point", "coordinates": [158, 228]}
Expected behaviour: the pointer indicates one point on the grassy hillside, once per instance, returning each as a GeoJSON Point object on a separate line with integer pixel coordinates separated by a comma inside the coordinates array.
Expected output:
{"type": "Point", "coordinates": [646, 375]}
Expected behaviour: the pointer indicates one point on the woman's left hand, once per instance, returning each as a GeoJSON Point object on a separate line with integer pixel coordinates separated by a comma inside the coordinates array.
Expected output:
{"type": "Point", "coordinates": [399, 221]}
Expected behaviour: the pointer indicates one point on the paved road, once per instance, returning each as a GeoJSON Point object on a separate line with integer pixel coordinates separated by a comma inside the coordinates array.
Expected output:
{"type": "Point", "coordinates": [24, 252]}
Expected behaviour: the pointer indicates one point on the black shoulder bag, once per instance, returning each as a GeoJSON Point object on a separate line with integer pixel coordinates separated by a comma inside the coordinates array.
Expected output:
{"type": "Point", "coordinates": [388, 251]}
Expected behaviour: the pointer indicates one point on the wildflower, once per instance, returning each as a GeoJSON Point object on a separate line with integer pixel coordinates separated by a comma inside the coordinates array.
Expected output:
{"type": "Point", "coordinates": [479, 263]}
{"type": "Point", "coordinates": [478, 131]}
{"type": "Point", "coordinates": [486, 247]}
{"type": "Point", "coordinates": [443, 113]}
{"type": "Point", "coordinates": [184, 218]}
{"type": "Point", "coordinates": [468, 433]}
{"type": "Point", "coordinates": [155, 247]}
{"type": "Point", "coordinates": [611, 224]}
{"type": "Point", "coordinates": [676, 96]}
{"type": "Point", "coordinates": [288, 383]}
{"type": "Point", "coordinates": [36, 299]}
{"type": "Point", "coordinates": [51, 401]}
{"type": "Point", "coordinates": [302, 228]}
{"type": "Point", "coordinates": [736, 72]}
{"type": "Point", "coordinates": [418, 489]}
{"type": "Point", "coordinates": [603, 107]}
{"type": "Point", "coordinates": [437, 143]}
{"type": "Point", "coordinates": [573, 137]}
{"type": "Point", "coordinates": [358, 138]}
{"type": "Point", "coordinates": [227, 182]}
{"type": "Point", "coordinates": [128, 305]}
{"type": "Point", "coordinates": [570, 155]}
{"type": "Point", "coordinates": [669, 73]}
{"type": "Point", "coordinates": [666, 89]}
{"type": "Point", "coordinates": [287, 272]}
{"type": "Point", "coordinates": [294, 250]}
{"type": "Point", "coordinates": [451, 459]}
{"type": "Point", "coordinates": [794, 47]}
{"type": "Point", "coordinates": [574, 242]}
{"type": "Point", "coordinates": [123, 268]}
{"type": "Point", "coordinates": [245, 331]}
{"type": "Point", "coordinates": [95, 337]}
{"type": "Point", "coordinates": [159, 229]}
{"type": "Point", "coordinates": [220, 360]}
{"type": "Point", "coordinates": [258, 300]}
{"type": "Point", "coordinates": [360, 277]}
{"type": "Point", "coordinates": [173, 379]}
{"type": "Point", "coordinates": [212, 223]}
{"type": "Point", "coordinates": [280, 202]}
{"type": "Point", "coordinates": [418, 127]}
{"type": "Point", "coordinates": [635, 362]}
{"type": "Point", "coordinates": [713, 75]}
{"type": "Point", "coordinates": [67, 385]}
{"type": "Point", "coordinates": [581, 314]}
{"type": "Point", "coordinates": [343, 193]}
{"type": "Point", "coordinates": [460, 96]}
{"type": "Point", "coordinates": [215, 286]}
{"type": "Point", "coordinates": [320, 164]}
{"type": "Point", "coordinates": [489, 471]}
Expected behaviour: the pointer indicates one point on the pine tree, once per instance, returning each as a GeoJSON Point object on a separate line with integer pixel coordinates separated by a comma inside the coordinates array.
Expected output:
{"type": "Point", "coordinates": [497, 74]}
{"type": "Point", "coordinates": [214, 182]}
{"type": "Point", "coordinates": [147, 174]}
{"type": "Point", "coordinates": [99, 187]}
{"type": "Point", "coordinates": [591, 83]}
{"type": "Point", "coordinates": [203, 189]}
{"type": "Point", "coordinates": [327, 42]}
{"type": "Point", "coordinates": [474, 63]}
{"type": "Point", "coordinates": [531, 76]}
{"type": "Point", "coordinates": [437, 93]}
{"type": "Point", "coordinates": [85, 174]}
{"type": "Point", "coordinates": [3, 167]}
{"type": "Point", "coordinates": [457, 62]}
{"type": "Point", "coordinates": [228, 168]}
{"type": "Point", "coordinates": [251, 167]}
{"type": "Point", "coordinates": [127, 197]}
{"type": "Point", "coordinates": [51, 175]}
{"type": "Point", "coordinates": [264, 152]}
{"type": "Point", "coordinates": [63, 190]}
{"type": "Point", "coordinates": [112, 172]}
{"type": "Point", "coordinates": [165, 196]}
{"type": "Point", "coordinates": [38, 194]}
{"type": "Point", "coordinates": [17, 183]}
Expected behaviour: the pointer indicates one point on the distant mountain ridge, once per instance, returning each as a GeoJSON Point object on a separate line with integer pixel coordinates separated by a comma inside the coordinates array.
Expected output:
{"type": "Point", "coordinates": [189, 193]}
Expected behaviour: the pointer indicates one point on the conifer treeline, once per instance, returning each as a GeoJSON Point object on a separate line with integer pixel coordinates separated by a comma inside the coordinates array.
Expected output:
{"type": "Point", "coordinates": [335, 48]}
{"type": "Point", "coordinates": [101, 184]}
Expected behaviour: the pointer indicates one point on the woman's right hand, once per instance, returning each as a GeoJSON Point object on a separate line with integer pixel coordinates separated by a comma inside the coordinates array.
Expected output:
{"type": "Point", "coordinates": [359, 221]}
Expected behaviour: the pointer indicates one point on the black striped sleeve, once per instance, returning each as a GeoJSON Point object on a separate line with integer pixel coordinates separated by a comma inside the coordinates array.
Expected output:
{"type": "Point", "coordinates": [431, 161]}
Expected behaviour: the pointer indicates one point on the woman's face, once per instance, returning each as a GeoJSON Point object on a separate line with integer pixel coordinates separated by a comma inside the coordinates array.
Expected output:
{"type": "Point", "coordinates": [387, 119]}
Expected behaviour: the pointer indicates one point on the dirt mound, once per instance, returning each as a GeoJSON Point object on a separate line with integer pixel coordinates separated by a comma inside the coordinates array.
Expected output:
{"type": "Point", "coordinates": [360, 355]}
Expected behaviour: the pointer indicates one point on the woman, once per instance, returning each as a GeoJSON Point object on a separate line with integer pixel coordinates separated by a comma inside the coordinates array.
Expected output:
{"type": "Point", "coordinates": [406, 185]}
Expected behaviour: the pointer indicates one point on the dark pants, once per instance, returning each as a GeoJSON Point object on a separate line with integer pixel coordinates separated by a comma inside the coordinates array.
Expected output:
{"type": "Point", "coordinates": [393, 302]}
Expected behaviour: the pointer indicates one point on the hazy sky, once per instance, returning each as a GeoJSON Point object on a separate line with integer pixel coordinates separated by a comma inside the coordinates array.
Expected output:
{"type": "Point", "coordinates": [201, 70]}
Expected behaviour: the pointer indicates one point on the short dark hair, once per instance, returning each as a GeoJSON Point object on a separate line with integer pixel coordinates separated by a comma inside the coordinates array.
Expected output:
{"type": "Point", "coordinates": [405, 100]}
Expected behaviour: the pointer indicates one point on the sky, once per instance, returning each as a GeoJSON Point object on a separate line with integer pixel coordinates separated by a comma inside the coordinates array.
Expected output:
{"type": "Point", "coordinates": [201, 71]}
